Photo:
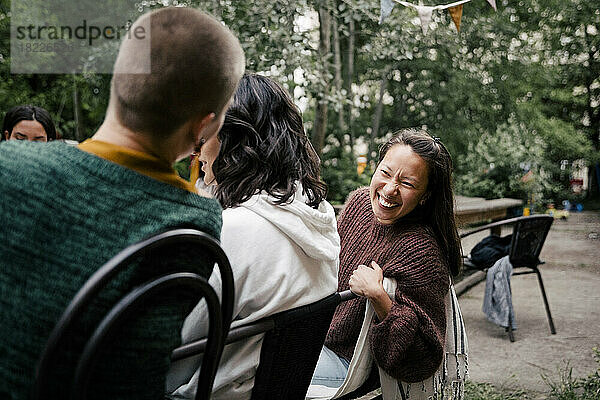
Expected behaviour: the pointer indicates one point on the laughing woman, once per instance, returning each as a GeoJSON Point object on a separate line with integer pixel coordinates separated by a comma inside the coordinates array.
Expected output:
{"type": "Point", "coordinates": [401, 227]}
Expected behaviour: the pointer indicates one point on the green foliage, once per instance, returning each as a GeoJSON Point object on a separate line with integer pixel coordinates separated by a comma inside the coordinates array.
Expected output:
{"type": "Point", "coordinates": [55, 92]}
{"type": "Point", "coordinates": [504, 67]}
{"type": "Point", "coordinates": [183, 168]}
{"type": "Point", "coordinates": [495, 165]}
{"type": "Point", "coordinates": [339, 172]}
{"type": "Point", "coordinates": [485, 391]}
{"type": "Point", "coordinates": [569, 388]}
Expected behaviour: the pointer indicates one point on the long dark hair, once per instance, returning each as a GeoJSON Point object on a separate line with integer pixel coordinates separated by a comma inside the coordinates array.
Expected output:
{"type": "Point", "coordinates": [264, 147]}
{"type": "Point", "coordinates": [438, 210]}
{"type": "Point", "coordinates": [29, 113]}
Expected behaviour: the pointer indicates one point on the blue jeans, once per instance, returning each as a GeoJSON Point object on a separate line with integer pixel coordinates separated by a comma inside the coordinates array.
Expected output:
{"type": "Point", "coordinates": [331, 369]}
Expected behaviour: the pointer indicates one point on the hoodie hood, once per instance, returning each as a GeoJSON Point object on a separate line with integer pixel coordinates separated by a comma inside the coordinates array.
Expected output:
{"type": "Point", "coordinates": [313, 230]}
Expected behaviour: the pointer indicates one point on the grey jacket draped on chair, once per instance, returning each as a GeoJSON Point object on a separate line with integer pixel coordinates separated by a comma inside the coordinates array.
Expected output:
{"type": "Point", "coordinates": [497, 300]}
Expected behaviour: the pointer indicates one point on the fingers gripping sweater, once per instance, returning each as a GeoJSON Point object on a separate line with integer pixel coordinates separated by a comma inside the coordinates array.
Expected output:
{"type": "Point", "coordinates": [408, 343]}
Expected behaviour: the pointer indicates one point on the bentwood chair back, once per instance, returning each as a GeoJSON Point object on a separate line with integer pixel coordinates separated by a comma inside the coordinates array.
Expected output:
{"type": "Point", "coordinates": [181, 284]}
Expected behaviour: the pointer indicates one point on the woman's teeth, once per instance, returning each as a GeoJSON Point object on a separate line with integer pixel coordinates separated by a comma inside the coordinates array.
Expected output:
{"type": "Point", "coordinates": [385, 203]}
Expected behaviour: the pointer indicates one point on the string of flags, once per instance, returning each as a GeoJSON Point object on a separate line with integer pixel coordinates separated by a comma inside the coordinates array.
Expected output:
{"type": "Point", "coordinates": [425, 12]}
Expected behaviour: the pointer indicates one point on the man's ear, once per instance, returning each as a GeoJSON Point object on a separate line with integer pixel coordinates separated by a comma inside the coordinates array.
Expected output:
{"type": "Point", "coordinates": [200, 125]}
{"type": "Point", "coordinates": [6, 135]}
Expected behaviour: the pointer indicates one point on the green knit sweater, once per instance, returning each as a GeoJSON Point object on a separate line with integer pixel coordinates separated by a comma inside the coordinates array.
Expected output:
{"type": "Point", "coordinates": [64, 213]}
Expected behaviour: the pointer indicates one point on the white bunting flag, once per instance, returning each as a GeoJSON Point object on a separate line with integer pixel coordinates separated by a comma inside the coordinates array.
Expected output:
{"type": "Point", "coordinates": [493, 4]}
{"type": "Point", "coordinates": [425, 17]}
{"type": "Point", "coordinates": [425, 12]}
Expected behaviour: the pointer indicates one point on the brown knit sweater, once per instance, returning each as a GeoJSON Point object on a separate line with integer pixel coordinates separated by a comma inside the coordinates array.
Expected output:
{"type": "Point", "coordinates": [408, 343]}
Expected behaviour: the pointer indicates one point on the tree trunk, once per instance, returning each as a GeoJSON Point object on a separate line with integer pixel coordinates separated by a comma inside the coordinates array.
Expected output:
{"type": "Point", "coordinates": [76, 113]}
{"type": "Point", "coordinates": [589, 79]}
{"type": "Point", "coordinates": [289, 69]}
{"type": "Point", "coordinates": [337, 62]}
{"type": "Point", "coordinates": [349, 79]}
{"type": "Point", "coordinates": [377, 116]}
{"type": "Point", "coordinates": [320, 125]}
{"type": "Point", "coordinates": [594, 118]}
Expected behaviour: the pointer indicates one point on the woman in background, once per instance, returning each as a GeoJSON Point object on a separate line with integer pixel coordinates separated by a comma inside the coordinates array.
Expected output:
{"type": "Point", "coordinates": [401, 227]}
{"type": "Point", "coordinates": [30, 123]}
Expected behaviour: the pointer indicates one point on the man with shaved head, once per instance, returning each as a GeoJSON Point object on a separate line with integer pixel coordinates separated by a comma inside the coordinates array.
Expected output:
{"type": "Point", "coordinates": [66, 210]}
{"type": "Point", "coordinates": [196, 64]}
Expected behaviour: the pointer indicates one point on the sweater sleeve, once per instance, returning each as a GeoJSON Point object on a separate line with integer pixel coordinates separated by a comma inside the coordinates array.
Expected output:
{"type": "Point", "coordinates": [408, 344]}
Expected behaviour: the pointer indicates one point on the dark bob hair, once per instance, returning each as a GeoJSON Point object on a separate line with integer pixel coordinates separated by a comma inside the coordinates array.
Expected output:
{"type": "Point", "coordinates": [29, 113]}
{"type": "Point", "coordinates": [438, 210]}
{"type": "Point", "coordinates": [264, 147]}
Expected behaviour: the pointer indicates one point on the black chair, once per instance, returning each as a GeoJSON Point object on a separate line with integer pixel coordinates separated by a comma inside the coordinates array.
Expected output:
{"type": "Point", "coordinates": [117, 315]}
{"type": "Point", "coordinates": [528, 237]}
{"type": "Point", "coordinates": [290, 349]}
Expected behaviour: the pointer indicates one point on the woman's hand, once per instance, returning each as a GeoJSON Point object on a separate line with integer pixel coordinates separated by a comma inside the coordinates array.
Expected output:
{"type": "Point", "coordinates": [368, 282]}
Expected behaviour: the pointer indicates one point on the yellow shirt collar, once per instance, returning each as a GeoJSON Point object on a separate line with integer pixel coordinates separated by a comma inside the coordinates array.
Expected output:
{"type": "Point", "coordinates": [145, 164]}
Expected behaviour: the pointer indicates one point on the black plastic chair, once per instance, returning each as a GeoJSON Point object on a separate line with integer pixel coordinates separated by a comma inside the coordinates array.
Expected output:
{"type": "Point", "coordinates": [528, 237]}
{"type": "Point", "coordinates": [290, 349]}
{"type": "Point", "coordinates": [219, 316]}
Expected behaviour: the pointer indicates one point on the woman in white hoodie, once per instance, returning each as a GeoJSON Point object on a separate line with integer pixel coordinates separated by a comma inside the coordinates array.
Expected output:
{"type": "Point", "coordinates": [278, 231]}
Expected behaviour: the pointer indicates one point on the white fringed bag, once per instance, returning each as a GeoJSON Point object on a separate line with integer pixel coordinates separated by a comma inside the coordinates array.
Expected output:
{"type": "Point", "coordinates": [446, 383]}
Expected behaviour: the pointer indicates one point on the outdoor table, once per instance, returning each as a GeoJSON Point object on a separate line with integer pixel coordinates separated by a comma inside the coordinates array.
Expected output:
{"type": "Point", "coordinates": [472, 210]}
